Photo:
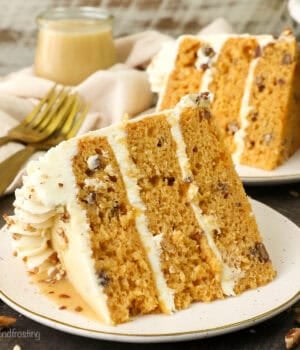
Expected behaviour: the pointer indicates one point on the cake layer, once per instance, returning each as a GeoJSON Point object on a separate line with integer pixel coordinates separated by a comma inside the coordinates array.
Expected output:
{"type": "Point", "coordinates": [221, 195]}
{"type": "Point", "coordinates": [144, 216]}
{"type": "Point", "coordinates": [252, 81]}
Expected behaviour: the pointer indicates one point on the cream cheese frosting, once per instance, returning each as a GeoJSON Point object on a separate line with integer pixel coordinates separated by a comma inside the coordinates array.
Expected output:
{"type": "Point", "coordinates": [55, 188]}
{"type": "Point", "coordinates": [161, 65]}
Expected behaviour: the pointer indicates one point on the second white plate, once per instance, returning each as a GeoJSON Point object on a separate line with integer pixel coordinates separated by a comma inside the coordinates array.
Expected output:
{"type": "Point", "coordinates": [286, 173]}
{"type": "Point", "coordinates": [282, 239]}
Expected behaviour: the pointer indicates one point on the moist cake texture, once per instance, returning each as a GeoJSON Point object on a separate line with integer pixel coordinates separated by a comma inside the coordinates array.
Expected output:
{"type": "Point", "coordinates": [142, 217]}
{"type": "Point", "coordinates": [254, 85]}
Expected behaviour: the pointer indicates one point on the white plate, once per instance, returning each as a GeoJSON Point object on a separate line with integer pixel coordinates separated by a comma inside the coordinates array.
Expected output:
{"type": "Point", "coordinates": [287, 172]}
{"type": "Point", "coordinates": [282, 239]}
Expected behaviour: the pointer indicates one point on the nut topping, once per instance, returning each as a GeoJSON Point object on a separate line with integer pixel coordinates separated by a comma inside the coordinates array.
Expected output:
{"type": "Point", "coordinates": [287, 59]}
{"type": "Point", "coordinates": [292, 338]}
{"type": "Point", "coordinates": [204, 66]}
{"type": "Point", "coordinates": [259, 250]}
{"type": "Point", "coordinates": [91, 198]}
{"type": "Point", "coordinates": [232, 127]}
{"type": "Point", "coordinates": [203, 100]}
{"type": "Point", "coordinates": [281, 81]}
{"type": "Point", "coordinates": [257, 51]}
{"type": "Point", "coordinates": [6, 321]}
{"type": "Point", "coordinates": [188, 180]}
{"type": "Point", "coordinates": [260, 83]}
{"type": "Point", "coordinates": [103, 278]}
{"type": "Point", "coordinates": [64, 296]}
{"type": "Point", "coordinates": [208, 51]}
{"type": "Point", "coordinates": [223, 188]}
{"type": "Point", "coordinates": [169, 180]}
{"type": "Point", "coordinates": [160, 141]}
{"type": "Point", "coordinates": [196, 236]}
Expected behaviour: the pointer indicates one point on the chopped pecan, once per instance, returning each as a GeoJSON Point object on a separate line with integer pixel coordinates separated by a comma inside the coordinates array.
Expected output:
{"type": "Point", "coordinates": [169, 180]}
{"type": "Point", "coordinates": [287, 59]}
{"type": "Point", "coordinates": [196, 236]}
{"type": "Point", "coordinates": [188, 180]}
{"type": "Point", "coordinates": [259, 251]}
{"type": "Point", "coordinates": [204, 66]}
{"type": "Point", "coordinates": [64, 296]}
{"type": "Point", "coordinates": [232, 127]}
{"type": "Point", "coordinates": [223, 188]}
{"type": "Point", "coordinates": [292, 338]}
{"type": "Point", "coordinates": [208, 51]}
{"type": "Point", "coordinates": [103, 278]}
{"type": "Point", "coordinates": [6, 321]}
{"type": "Point", "coordinates": [160, 141]}
{"type": "Point", "coordinates": [257, 51]}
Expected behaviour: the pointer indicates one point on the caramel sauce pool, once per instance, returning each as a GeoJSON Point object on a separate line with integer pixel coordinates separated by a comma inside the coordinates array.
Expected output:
{"type": "Point", "coordinates": [64, 295]}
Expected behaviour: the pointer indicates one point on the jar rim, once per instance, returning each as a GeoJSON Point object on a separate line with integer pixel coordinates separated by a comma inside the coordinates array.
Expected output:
{"type": "Point", "coordinates": [80, 12]}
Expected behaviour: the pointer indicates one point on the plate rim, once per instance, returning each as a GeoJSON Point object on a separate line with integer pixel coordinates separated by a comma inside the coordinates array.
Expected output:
{"type": "Point", "coordinates": [256, 180]}
{"type": "Point", "coordinates": [157, 337]}
{"type": "Point", "coordinates": [153, 337]}
{"type": "Point", "coordinates": [293, 176]}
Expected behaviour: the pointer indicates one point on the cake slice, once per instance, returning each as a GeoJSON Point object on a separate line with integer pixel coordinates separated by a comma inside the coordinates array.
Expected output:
{"type": "Point", "coordinates": [142, 217]}
{"type": "Point", "coordinates": [254, 85]}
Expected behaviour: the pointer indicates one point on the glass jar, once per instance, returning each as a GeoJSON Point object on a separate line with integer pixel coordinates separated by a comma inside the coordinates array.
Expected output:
{"type": "Point", "coordinates": [73, 43]}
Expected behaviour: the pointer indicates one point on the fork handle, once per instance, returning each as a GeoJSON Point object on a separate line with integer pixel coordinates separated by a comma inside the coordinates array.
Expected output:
{"type": "Point", "coordinates": [10, 167]}
{"type": "Point", "coordinates": [4, 140]}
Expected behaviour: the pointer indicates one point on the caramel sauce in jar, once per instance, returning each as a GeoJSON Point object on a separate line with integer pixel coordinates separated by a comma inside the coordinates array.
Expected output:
{"type": "Point", "coordinates": [73, 43]}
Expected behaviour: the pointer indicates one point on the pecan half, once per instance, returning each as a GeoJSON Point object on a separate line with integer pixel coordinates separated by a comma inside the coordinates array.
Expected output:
{"type": "Point", "coordinates": [6, 321]}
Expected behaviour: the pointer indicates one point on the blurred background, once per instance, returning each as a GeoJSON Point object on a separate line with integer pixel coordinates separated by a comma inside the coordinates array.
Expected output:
{"type": "Point", "coordinates": [18, 27]}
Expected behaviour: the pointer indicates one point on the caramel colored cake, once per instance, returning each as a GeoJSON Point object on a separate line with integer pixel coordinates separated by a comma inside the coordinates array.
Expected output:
{"type": "Point", "coordinates": [254, 85]}
{"type": "Point", "coordinates": [142, 217]}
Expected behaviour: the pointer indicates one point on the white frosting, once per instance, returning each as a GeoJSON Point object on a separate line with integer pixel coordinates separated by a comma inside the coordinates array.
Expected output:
{"type": "Point", "coordinates": [208, 223]}
{"type": "Point", "coordinates": [117, 141]}
{"type": "Point", "coordinates": [161, 64]}
{"type": "Point", "coordinates": [55, 187]}
{"type": "Point", "coordinates": [31, 232]}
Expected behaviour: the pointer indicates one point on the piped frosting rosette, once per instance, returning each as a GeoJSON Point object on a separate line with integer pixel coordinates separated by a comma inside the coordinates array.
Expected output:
{"type": "Point", "coordinates": [31, 228]}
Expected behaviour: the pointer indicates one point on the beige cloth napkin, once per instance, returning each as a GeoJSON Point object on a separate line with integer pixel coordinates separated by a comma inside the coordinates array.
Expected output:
{"type": "Point", "coordinates": [110, 93]}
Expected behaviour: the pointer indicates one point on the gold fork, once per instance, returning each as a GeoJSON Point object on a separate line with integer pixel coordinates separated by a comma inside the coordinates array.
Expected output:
{"type": "Point", "coordinates": [42, 121]}
{"type": "Point", "coordinates": [10, 167]}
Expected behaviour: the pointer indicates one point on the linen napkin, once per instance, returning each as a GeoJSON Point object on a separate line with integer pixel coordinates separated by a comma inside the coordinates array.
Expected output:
{"type": "Point", "coordinates": [122, 89]}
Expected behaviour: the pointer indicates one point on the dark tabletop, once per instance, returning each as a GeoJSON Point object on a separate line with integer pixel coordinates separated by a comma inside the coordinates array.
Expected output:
{"type": "Point", "coordinates": [265, 336]}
